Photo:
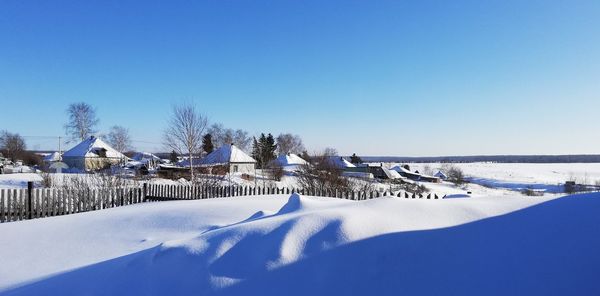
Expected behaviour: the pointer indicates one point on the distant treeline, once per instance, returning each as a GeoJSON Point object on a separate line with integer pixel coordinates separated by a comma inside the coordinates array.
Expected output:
{"type": "Point", "coordinates": [489, 158]}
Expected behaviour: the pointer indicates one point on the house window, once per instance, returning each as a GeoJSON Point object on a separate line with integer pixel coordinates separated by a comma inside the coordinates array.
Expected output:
{"type": "Point", "coordinates": [235, 168]}
{"type": "Point", "coordinates": [101, 152]}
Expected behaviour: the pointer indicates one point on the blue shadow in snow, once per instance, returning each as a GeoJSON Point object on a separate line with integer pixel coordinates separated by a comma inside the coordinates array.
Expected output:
{"type": "Point", "coordinates": [548, 249]}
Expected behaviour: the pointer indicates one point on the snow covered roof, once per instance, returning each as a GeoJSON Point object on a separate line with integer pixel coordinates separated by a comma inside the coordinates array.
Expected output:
{"type": "Point", "coordinates": [54, 156]}
{"type": "Point", "coordinates": [401, 170]}
{"type": "Point", "coordinates": [290, 159]}
{"type": "Point", "coordinates": [227, 153]}
{"type": "Point", "coordinates": [92, 147]}
{"type": "Point", "coordinates": [392, 174]}
{"type": "Point", "coordinates": [341, 162]}
{"type": "Point", "coordinates": [186, 162]}
{"type": "Point", "coordinates": [370, 165]}
{"type": "Point", "coordinates": [440, 175]}
{"type": "Point", "coordinates": [145, 156]}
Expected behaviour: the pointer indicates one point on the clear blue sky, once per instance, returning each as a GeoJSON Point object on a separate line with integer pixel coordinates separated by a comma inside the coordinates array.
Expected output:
{"type": "Point", "coordinates": [411, 78]}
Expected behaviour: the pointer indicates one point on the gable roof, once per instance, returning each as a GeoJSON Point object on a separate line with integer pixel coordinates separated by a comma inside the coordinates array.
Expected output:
{"type": "Point", "coordinates": [145, 156]}
{"type": "Point", "coordinates": [290, 159]}
{"type": "Point", "coordinates": [340, 162]}
{"type": "Point", "coordinates": [391, 174]}
{"type": "Point", "coordinates": [227, 153]}
{"type": "Point", "coordinates": [54, 156]}
{"type": "Point", "coordinates": [404, 172]}
{"type": "Point", "coordinates": [90, 148]}
{"type": "Point", "coordinates": [440, 175]}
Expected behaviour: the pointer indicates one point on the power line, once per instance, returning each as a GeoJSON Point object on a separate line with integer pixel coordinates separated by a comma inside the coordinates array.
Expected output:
{"type": "Point", "coordinates": [47, 137]}
{"type": "Point", "coordinates": [146, 142]}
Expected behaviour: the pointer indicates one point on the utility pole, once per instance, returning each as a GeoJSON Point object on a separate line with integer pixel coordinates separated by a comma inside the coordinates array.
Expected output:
{"type": "Point", "coordinates": [59, 149]}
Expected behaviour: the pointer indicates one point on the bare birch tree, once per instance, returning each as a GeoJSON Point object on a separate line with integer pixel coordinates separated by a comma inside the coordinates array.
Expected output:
{"type": "Point", "coordinates": [226, 136]}
{"type": "Point", "coordinates": [119, 138]}
{"type": "Point", "coordinates": [82, 121]}
{"type": "Point", "coordinates": [184, 132]}
{"type": "Point", "coordinates": [288, 143]}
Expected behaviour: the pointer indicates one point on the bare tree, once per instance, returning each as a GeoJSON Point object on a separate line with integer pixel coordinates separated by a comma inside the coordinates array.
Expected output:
{"type": "Point", "coordinates": [12, 145]}
{"type": "Point", "coordinates": [288, 143]}
{"type": "Point", "coordinates": [82, 121]}
{"type": "Point", "coordinates": [119, 138]}
{"type": "Point", "coordinates": [184, 132]}
{"type": "Point", "coordinates": [455, 174]}
{"type": "Point", "coordinates": [330, 152]}
{"type": "Point", "coordinates": [427, 170]}
{"type": "Point", "coordinates": [218, 134]}
{"type": "Point", "coordinates": [223, 136]}
{"type": "Point", "coordinates": [242, 139]}
{"type": "Point", "coordinates": [323, 174]}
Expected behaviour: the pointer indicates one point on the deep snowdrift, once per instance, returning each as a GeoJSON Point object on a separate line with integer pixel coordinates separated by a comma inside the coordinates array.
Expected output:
{"type": "Point", "coordinates": [327, 246]}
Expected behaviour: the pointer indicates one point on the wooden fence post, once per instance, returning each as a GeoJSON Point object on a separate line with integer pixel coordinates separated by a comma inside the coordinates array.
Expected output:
{"type": "Point", "coordinates": [29, 199]}
{"type": "Point", "coordinates": [8, 211]}
{"type": "Point", "coordinates": [2, 205]}
{"type": "Point", "coordinates": [144, 192]}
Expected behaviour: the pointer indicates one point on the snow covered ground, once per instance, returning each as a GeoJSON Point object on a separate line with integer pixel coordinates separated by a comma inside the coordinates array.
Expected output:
{"type": "Point", "coordinates": [487, 179]}
{"type": "Point", "coordinates": [18, 180]}
{"type": "Point", "coordinates": [274, 245]}
{"type": "Point", "coordinates": [548, 177]}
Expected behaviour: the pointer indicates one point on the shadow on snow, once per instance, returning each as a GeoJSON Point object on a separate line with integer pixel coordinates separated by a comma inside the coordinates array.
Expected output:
{"type": "Point", "coordinates": [548, 249]}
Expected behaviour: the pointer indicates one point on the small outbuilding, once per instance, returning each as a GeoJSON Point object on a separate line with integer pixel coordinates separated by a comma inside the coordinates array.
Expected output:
{"type": "Point", "coordinates": [145, 159]}
{"type": "Point", "coordinates": [52, 157]}
{"type": "Point", "coordinates": [415, 176]}
{"type": "Point", "coordinates": [377, 170]}
{"type": "Point", "coordinates": [440, 175]}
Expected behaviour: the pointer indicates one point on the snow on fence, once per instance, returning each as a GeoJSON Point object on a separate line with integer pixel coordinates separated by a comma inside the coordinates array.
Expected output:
{"type": "Point", "coordinates": [33, 203]}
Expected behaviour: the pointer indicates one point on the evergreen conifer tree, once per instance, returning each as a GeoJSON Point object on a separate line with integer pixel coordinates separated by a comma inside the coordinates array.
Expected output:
{"type": "Point", "coordinates": [257, 152]}
{"type": "Point", "coordinates": [355, 159]}
{"type": "Point", "coordinates": [207, 144]}
{"type": "Point", "coordinates": [270, 148]}
{"type": "Point", "coordinates": [173, 157]}
{"type": "Point", "coordinates": [263, 150]}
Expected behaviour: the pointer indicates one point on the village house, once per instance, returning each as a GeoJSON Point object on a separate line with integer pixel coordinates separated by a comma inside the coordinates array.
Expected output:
{"type": "Point", "coordinates": [229, 158]}
{"type": "Point", "coordinates": [92, 154]}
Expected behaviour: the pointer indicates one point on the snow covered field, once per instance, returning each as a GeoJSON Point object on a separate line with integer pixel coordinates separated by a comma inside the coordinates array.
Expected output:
{"type": "Point", "coordinates": [274, 245]}
{"type": "Point", "coordinates": [518, 176]}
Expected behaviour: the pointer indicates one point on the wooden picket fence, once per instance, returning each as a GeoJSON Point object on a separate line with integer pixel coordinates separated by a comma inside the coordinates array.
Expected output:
{"type": "Point", "coordinates": [33, 203]}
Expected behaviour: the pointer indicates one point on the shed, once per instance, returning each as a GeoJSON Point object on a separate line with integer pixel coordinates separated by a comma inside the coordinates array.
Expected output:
{"type": "Point", "coordinates": [441, 175]}
{"type": "Point", "coordinates": [145, 159]}
{"type": "Point", "coordinates": [52, 157]}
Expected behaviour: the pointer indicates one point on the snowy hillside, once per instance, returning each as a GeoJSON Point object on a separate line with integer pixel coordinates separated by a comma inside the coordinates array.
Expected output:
{"type": "Point", "coordinates": [311, 246]}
